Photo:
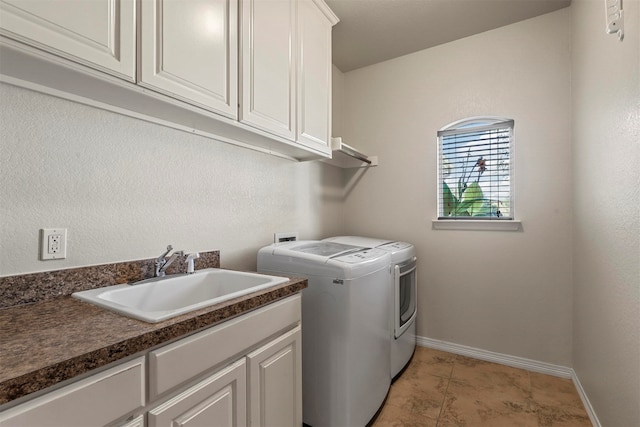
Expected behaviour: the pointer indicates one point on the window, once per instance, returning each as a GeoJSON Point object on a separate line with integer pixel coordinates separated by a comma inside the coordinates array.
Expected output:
{"type": "Point", "coordinates": [475, 170]}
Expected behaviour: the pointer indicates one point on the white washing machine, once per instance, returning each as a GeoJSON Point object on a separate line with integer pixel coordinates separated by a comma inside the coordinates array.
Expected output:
{"type": "Point", "coordinates": [404, 284]}
{"type": "Point", "coordinates": [345, 340]}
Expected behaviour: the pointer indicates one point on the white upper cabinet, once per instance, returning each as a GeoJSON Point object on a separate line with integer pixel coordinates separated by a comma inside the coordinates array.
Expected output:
{"type": "Point", "coordinates": [253, 73]}
{"type": "Point", "coordinates": [286, 69]}
{"type": "Point", "coordinates": [97, 33]}
{"type": "Point", "coordinates": [268, 68]}
{"type": "Point", "coordinates": [189, 51]}
{"type": "Point", "coordinates": [314, 75]}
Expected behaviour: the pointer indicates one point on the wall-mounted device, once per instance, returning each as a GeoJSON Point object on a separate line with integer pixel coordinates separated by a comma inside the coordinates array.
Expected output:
{"type": "Point", "coordinates": [615, 18]}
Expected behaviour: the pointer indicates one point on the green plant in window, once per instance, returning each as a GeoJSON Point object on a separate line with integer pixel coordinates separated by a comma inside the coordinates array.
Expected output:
{"type": "Point", "coordinates": [469, 199]}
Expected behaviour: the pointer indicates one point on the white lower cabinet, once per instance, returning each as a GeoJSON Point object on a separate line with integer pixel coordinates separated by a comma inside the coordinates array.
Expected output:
{"type": "Point", "coordinates": [243, 372]}
{"type": "Point", "coordinates": [218, 400]}
{"type": "Point", "coordinates": [262, 389]}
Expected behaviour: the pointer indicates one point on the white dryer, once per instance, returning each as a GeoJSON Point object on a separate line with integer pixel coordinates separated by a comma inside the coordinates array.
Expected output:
{"type": "Point", "coordinates": [345, 341]}
{"type": "Point", "coordinates": [404, 304]}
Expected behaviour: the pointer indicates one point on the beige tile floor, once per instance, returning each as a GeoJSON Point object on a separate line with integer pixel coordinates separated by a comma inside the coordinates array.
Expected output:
{"type": "Point", "coordinates": [440, 389]}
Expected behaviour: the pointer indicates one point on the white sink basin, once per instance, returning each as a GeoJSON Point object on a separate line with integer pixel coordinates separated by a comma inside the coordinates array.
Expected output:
{"type": "Point", "coordinates": [161, 298]}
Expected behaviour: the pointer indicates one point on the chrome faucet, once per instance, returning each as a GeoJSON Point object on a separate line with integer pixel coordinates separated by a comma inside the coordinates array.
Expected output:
{"type": "Point", "coordinates": [162, 263]}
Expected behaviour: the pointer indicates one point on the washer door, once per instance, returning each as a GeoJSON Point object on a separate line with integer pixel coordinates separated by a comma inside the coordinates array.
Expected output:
{"type": "Point", "coordinates": [406, 286]}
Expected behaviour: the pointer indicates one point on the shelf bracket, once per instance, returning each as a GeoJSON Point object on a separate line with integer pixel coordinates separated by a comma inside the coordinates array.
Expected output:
{"type": "Point", "coordinates": [346, 156]}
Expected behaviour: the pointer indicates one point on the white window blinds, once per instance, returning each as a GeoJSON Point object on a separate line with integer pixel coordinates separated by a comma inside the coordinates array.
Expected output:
{"type": "Point", "coordinates": [475, 170]}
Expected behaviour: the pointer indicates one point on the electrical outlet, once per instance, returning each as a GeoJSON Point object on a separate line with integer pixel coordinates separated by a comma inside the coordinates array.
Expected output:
{"type": "Point", "coordinates": [289, 236]}
{"type": "Point", "coordinates": [53, 243]}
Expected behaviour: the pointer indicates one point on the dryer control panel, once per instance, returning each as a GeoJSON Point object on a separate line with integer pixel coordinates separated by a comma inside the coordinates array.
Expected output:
{"type": "Point", "coordinates": [395, 246]}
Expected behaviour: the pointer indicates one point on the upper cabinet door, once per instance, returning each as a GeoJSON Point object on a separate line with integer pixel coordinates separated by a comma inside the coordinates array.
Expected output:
{"type": "Point", "coordinates": [97, 33]}
{"type": "Point", "coordinates": [268, 66]}
{"type": "Point", "coordinates": [314, 77]}
{"type": "Point", "coordinates": [189, 50]}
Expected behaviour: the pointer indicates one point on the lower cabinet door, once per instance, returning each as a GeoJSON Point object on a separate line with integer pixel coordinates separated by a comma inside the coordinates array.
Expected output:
{"type": "Point", "coordinates": [219, 400]}
{"type": "Point", "coordinates": [275, 382]}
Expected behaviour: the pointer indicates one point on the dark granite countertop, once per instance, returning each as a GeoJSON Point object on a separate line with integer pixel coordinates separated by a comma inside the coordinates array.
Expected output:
{"type": "Point", "coordinates": [48, 342]}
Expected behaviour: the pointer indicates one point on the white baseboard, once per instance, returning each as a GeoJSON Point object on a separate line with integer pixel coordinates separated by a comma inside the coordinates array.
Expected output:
{"type": "Point", "coordinates": [585, 401]}
{"type": "Point", "coordinates": [503, 359]}
{"type": "Point", "coordinates": [514, 362]}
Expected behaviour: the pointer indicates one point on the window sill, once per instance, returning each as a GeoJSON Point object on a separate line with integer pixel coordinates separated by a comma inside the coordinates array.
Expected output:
{"type": "Point", "coordinates": [479, 225]}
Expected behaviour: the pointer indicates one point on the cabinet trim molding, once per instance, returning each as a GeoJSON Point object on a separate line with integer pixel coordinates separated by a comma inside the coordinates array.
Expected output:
{"type": "Point", "coordinates": [324, 8]}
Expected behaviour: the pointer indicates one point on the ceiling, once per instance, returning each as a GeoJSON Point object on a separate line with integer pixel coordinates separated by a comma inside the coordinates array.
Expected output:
{"type": "Point", "coordinates": [372, 31]}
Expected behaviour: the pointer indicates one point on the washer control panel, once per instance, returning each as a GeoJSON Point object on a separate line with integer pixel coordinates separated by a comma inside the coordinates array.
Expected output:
{"type": "Point", "coordinates": [360, 256]}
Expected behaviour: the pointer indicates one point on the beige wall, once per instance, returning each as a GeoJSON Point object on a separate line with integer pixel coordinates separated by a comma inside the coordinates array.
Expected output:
{"type": "Point", "coordinates": [125, 188]}
{"type": "Point", "coordinates": [606, 240]}
{"type": "Point", "coordinates": [508, 292]}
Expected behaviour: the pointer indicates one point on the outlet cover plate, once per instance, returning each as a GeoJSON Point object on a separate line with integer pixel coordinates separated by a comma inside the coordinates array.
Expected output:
{"type": "Point", "coordinates": [288, 236]}
{"type": "Point", "coordinates": [53, 243]}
